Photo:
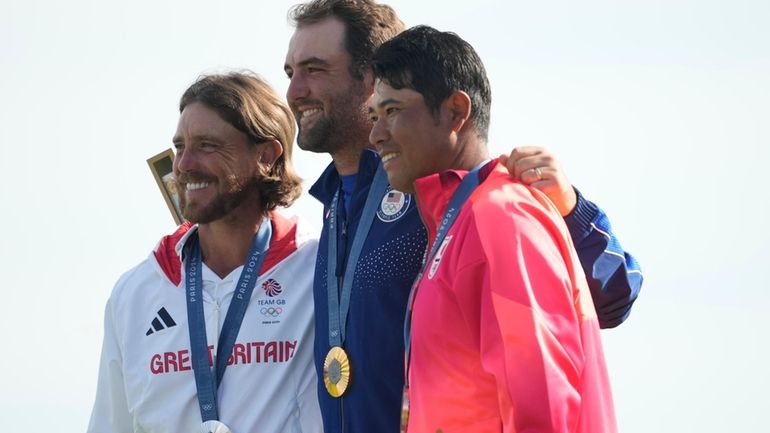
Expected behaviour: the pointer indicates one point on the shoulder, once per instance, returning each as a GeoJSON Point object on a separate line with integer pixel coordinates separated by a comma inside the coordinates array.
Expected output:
{"type": "Point", "coordinates": [499, 194]}
{"type": "Point", "coordinates": [292, 237]}
{"type": "Point", "coordinates": [501, 205]}
{"type": "Point", "coordinates": [133, 281]}
{"type": "Point", "coordinates": [306, 234]}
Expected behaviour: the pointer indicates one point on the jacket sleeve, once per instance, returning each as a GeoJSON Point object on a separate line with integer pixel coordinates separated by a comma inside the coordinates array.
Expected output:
{"type": "Point", "coordinates": [537, 330]}
{"type": "Point", "coordinates": [613, 274]}
{"type": "Point", "coordinates": [110, 413]}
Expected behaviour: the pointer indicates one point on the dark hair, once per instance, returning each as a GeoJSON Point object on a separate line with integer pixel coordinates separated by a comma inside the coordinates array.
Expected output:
{"type": "Point", "coordinates": [436, 64]}
{"type": "Point", "coordinates": [368, 25]}
{"type": "Point", "coordinates": [246, 101]}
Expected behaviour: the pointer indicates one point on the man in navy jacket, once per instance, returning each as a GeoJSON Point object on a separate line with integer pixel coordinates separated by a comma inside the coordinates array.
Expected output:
{"type": "Point", "coordinates": [362, 280]}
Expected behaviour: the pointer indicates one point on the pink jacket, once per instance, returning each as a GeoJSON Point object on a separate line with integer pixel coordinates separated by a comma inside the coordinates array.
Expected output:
{"type": "Point", "coordinates": [504, 332]}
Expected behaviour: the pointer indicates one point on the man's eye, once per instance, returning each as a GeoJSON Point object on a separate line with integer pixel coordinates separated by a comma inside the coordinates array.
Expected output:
{"type": "Point", "coordinates": [391, 110]}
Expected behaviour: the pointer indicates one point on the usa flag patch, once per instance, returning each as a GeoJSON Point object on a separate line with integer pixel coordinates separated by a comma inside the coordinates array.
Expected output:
{"type": "Point", "coordinates": [393, 206]}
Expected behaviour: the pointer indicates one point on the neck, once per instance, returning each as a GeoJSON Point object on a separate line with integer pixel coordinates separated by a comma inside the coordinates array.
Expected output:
{"type": "Point", "coordinates": [225, 243]}
{"type": "Point", "coordinates": [346, 159]}
{"type": "Point", "coordinates": [474, 151]}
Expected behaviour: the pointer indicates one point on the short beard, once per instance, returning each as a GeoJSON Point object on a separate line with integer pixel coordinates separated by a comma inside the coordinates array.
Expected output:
{"type": "Point", "coordinates": [238, 191]}
{"type": "Point", "coordinates": [320, 138]}
{"type": "Point", "coordinates": [347, 125]}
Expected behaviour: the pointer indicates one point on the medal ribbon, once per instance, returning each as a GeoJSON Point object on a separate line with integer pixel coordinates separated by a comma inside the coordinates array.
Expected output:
{"type": "Point", "coordinates": [339, 302]}
{"type": "Point", "coordinates": [206, 382]}
{"type": "Point", "coordinates": [466, 188]}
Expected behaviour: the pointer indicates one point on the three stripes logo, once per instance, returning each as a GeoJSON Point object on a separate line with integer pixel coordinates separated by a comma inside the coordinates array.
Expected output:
{"type": "Point", "coordinates": [161, 322]}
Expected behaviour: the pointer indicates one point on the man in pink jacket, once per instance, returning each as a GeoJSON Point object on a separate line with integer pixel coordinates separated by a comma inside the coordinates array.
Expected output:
{"type": "Point", "coordinates": [501, 332]}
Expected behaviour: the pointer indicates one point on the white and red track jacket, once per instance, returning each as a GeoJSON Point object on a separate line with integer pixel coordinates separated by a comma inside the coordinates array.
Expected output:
{"type": "Point", "coordinates": [146, 381]}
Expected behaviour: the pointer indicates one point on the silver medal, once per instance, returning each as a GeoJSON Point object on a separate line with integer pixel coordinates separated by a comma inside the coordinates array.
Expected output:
{"type": "Point", "coordinates": [214, 426]}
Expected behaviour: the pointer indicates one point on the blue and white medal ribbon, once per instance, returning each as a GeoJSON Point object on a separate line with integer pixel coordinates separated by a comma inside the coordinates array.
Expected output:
{"type": "Point", "coordinates": [337, 370]}
{"type": "Point", "coordinates": [206, 381]}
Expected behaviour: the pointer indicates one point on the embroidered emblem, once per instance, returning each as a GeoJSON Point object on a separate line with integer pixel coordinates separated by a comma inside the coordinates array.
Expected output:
{"type": "Point", "coordinates": [393, 206]}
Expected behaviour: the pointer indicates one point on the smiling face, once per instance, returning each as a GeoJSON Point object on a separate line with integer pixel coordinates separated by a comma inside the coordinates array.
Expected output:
{"type": "Point", "coordinates": [328, 103]}
{"type": "Point", "coordinates": [215, 165]}
{"type": "Point", "coordinates": [412, 140]}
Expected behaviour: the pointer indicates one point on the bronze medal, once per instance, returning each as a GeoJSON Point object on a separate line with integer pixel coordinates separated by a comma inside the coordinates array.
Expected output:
{"type": "Point", "coordinates": [336, 371]}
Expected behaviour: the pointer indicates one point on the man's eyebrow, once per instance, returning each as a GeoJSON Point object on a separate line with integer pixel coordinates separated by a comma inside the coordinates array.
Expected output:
{"type": "Point", "coordinates": [199, 137]}
{"type": "Point", "coordinates": [383, 103]}
{"type": "Point", "coordinates": [309, 61]}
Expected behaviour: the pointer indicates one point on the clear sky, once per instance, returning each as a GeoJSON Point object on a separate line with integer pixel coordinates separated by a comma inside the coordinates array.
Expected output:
{"type": "Point", "coordinates": [659, 111]}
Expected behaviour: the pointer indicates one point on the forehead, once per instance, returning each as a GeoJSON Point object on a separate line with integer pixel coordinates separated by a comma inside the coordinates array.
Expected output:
{"type": "Point", "coordinates": [197, 119]}
{"type": "Point", "coordinates": [324, 40]}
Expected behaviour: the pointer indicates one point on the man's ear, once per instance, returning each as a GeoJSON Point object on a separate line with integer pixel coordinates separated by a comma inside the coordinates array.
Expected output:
{"type": "Point", "coordinates": [269, 152]}
{"type": "Point", "coordinates": [458, 107]}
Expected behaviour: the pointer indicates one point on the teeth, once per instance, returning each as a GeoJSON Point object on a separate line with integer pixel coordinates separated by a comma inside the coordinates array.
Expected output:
{"type": "Point", "coordinates": [196, 186]}
{"type": "Point", "coordinates": [388, 156]}
{"type": "Point", "coordinates": [311, 112]}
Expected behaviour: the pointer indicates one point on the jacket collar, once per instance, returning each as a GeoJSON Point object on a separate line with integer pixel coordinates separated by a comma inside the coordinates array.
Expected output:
{"type": "Point", "coordinates": [168, 253]}
{"type": "Point", "coordinates": [329, 182]}
{"type": "Point", "coordinates": [433, 193]}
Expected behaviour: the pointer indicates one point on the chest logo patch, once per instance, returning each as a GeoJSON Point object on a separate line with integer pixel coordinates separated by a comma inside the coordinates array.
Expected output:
{"type": "Point", "coordinates": [163, 318]}
{"type": "Point", "coordinates": [272, 288]}
{"type": "Point", "coordinates": [439, 255]}
{"type": "Point", "coordinates": [393, 206]}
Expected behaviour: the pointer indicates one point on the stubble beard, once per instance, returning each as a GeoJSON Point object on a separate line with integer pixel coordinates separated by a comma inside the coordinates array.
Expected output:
{"type": "Point", "coordinates": [319, 138]}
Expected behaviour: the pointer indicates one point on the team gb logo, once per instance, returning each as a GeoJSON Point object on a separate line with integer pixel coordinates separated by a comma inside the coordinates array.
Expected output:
{"type": "Point", "coordinates": [272, 288]}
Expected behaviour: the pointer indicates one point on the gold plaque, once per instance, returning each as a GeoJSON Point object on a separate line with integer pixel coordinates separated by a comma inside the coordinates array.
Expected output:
{"type": "Point", "coordinates": [161, 167]}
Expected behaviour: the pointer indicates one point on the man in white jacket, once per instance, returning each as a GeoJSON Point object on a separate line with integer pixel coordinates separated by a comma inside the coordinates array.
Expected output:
{"type": "Point", "coordinates": [224, 342]}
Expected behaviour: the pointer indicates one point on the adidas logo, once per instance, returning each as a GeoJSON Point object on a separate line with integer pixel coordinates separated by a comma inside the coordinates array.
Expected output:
{"type": "Point", "coordinates": [156, 322]}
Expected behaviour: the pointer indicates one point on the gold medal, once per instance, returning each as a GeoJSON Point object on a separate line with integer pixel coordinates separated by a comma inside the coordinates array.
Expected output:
{"type": "Point", "coordinates": [405, 410]}
{"type": "Point", "coordinates": [336, 371]}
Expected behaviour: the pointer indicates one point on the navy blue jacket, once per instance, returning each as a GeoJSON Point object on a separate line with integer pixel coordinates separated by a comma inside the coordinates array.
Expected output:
{"type": "Point", "coordinates": [389, 262]}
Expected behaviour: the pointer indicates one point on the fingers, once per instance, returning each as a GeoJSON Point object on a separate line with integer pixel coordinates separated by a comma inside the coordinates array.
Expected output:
{"type": "Point", "coordinates": [537, 167]}
{"type": "Point", "coordinates": [537, 174]}
{"type": "Point", "coordinates": [525, 151]}
{"type": "Point", "coordinates": [520, 167]}
{"type": "Point", "coordinates": [549, 181]}
{"type": "Point", "coordinates": [503, 159]}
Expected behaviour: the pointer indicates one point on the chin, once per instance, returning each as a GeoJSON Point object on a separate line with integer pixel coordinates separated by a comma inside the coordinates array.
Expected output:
{"type": "Point", "coordinates": [401, 185]}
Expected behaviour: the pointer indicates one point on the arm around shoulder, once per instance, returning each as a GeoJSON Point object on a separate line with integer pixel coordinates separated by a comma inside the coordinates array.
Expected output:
{"type": "Point", "coordinates": [613, 275]}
